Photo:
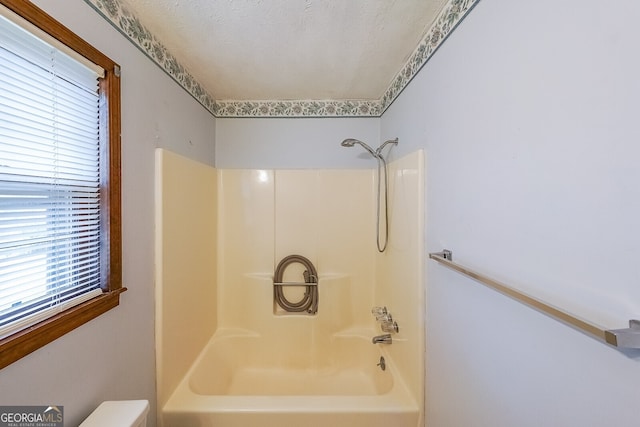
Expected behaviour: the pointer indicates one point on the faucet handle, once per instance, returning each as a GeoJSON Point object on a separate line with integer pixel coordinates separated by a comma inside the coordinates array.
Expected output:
{"type": "Point", "coordinates": [382, 339]}
{"type": "Point", "coordinates": [379, 311]}
{"type": "Point", "coordinates": [389, 327]}
{"type": "Point", "coordinates": [384, 318]}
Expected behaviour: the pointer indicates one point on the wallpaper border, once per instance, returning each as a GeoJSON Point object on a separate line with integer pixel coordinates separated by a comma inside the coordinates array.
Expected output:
{"type": "Point", "coordinates": [130, 26]}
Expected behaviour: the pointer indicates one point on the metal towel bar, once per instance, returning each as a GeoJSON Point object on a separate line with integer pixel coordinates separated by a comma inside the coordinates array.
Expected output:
{"type": "Point", "coordinates": [621, 338]}
{"type": "Point", "coordinates": [295, 284]}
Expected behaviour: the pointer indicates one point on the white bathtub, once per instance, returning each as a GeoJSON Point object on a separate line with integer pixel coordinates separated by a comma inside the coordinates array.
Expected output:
{"type": "Point", "coordinates": [243, 379]}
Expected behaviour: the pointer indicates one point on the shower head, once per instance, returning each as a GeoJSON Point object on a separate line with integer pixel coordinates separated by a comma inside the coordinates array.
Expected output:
{"type": "Point", "coordinates": [382, 186]}
{"type": "Point", "coordinates": [350, 142]}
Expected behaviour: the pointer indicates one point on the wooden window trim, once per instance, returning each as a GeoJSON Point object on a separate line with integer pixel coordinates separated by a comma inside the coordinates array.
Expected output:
{"type": "Point", "coordinates": [18, 345]}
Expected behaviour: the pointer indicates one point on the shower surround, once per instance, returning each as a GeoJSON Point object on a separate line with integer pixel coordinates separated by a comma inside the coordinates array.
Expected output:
{"type": "Point", "coordinates": [220, 336]}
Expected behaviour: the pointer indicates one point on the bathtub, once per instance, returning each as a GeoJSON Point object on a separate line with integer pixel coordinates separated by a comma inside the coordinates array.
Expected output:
{"type": "Point", "coordinates": [244, 379]}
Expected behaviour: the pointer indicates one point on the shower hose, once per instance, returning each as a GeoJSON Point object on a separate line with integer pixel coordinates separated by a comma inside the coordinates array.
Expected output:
{"type": "Point", "coordinates": [309, 302]}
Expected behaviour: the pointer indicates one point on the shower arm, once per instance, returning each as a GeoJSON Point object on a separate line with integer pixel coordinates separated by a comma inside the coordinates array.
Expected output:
{"type": "Point", "coordinates": [378, 152]}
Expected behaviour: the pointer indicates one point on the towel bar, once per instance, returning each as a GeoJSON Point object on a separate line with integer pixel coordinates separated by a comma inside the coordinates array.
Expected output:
{"type": "Point", "coordinates": [620, 338]}
{"type": "Point", "coordinates": [295, 284]}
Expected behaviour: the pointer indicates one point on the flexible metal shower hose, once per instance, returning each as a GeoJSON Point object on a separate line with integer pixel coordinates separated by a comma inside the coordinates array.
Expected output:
{"type": "Point", "coordinates": [309, 301]}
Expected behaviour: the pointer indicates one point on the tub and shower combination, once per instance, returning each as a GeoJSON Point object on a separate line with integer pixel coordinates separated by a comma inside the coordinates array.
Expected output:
{"type": "Point", "coordinates": [242, 342]}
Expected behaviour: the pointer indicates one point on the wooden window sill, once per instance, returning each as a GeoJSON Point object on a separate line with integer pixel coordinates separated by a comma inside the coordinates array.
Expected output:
{"type": "Point", "coordinates": [29, 340]}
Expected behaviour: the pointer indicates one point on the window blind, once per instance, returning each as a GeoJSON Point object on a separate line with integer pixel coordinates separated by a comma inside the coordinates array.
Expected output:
{"type": "Point", "coordinates": [50, 207]}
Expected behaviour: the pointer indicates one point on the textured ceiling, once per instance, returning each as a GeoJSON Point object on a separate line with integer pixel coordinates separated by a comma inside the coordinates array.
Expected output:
{"type": "Point", "coordinates": [289, 49]}
{"type": "Point", "coordinates": [288, 58]}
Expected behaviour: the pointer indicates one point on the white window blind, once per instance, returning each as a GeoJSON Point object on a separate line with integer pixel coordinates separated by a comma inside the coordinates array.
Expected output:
{"type": "Point", "coordinates": [50, 207]}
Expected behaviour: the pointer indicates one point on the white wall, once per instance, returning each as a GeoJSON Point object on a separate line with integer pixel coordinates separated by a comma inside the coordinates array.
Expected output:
{"type": "Point", "coordinates": [300, 143]}
{"type": "Point", "coordinates": [528, 114]}
{"type": "Point", "coordinates": [112, 357]}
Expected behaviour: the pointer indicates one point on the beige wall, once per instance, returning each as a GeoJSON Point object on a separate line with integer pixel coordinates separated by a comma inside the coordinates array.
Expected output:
{"type": "Point", "coordinates": [399, 270]}
{"type": "Point", "coordinates": [185, 265]}
{"type": "Point", "coordinates": [324, 215]}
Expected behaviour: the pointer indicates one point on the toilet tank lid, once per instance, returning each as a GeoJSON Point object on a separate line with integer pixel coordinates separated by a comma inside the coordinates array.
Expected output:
{"type": "Point", "coordinates": [118, 413]}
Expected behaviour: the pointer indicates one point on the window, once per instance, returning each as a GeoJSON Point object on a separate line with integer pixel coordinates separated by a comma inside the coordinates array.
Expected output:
{"type": "Point", "coordinates": [60, 255]}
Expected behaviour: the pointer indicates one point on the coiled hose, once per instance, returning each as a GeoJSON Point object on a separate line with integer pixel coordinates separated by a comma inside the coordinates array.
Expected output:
{"type": "Point", "coordinates": [309, 301]}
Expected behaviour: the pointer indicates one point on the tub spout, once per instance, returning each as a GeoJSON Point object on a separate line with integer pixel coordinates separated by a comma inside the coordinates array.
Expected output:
{"type": "Point", "coordinates": [382, 339]}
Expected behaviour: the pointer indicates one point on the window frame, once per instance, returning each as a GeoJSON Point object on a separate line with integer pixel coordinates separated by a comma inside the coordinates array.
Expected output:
{"type": "Point", "coordinates": [18, 345]}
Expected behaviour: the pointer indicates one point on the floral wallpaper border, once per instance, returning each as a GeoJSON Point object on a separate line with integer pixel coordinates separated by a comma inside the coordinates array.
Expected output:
{"type": "Point", "coordinates": [130, 26]}
{"type": "Point", "coordinates": [297, 108]}
{"type": "Point", "coordinates": [451, 15]}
